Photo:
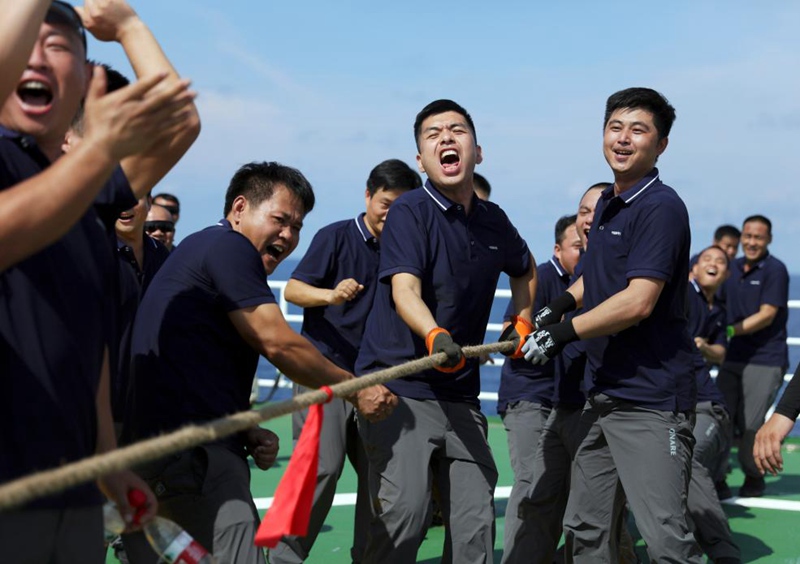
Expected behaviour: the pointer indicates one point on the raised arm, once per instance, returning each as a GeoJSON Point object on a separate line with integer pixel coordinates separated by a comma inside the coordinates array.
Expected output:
{"type": "Point", "coordinates": [19, 28]}
{"type": "Point", "coordinates": [622, 310]}
{"type": "Point", "coordinates": [40, 210]}
{"type": "Point", "coordinates": [115, 20]}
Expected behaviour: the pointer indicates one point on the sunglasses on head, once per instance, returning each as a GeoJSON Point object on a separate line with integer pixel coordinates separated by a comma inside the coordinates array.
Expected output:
{"type": "Point", "coordinates": [163, 226]}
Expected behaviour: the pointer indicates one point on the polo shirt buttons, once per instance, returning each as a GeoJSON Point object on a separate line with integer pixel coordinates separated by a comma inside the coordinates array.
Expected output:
{"type": "Point", "coordinates": [601, 228]}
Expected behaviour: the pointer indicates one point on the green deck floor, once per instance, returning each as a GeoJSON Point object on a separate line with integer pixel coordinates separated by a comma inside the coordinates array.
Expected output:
{"type": "Point", "coordinates": [764, 535]}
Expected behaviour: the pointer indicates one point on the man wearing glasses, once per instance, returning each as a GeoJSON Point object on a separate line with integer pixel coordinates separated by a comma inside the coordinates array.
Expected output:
{"type": "Point", "coordinates": [160, 226]}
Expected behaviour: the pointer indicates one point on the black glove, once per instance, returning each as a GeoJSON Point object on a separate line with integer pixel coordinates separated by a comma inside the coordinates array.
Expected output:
{"type": "Point", "coordinates": [546, 343]}
{"type": "Point", "coordinates": [439, 340]}
{"type": "Point", "coordinates": [555, 310]}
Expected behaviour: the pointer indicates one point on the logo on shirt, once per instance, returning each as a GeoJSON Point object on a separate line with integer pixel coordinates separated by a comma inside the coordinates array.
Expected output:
{"type": "Point", "coordinates": [617, 233]}
{"type": "Point", "coordinates": [492, 248]}
{"type": "Point", "coordinates": [673, 443]}
{"type": "Point", "coordinates": [755, 282]}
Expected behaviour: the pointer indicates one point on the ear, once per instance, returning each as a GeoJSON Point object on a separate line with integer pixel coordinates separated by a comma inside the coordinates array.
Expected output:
{"type": "Point", "coordinates": [557, 251]}
{"type": "Point", "coordinates": [478, 154]}
{"type": "Point", "coordinates": [67, 144]}
{"type": "Point", "coordinates": [419, 164]}
{"type": "Point", "coordinates": [367, 197]}
{"type": "Point", "coordinates": [89, 72]}
{"type": "Point", "coordinates": [662, 145]}
{"type": "Point", "coordinates": [237, 209]}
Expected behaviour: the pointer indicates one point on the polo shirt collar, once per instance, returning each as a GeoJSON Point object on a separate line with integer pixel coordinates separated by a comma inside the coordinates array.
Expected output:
{"type": "Point", "coordinates": [759, 264]}
{"type": "Point", "coordinates": [557, 265]}
{"type": "Point", "coordinates": [629, 195]}
{"type": "Point", "coordinates": [444, 203]}
{"type": "Point", "coordinates": [698, 289]}
{"type": "Point", "coordinates": [225, 223]}
{"type": "Point", "coordinates": [368, 237]}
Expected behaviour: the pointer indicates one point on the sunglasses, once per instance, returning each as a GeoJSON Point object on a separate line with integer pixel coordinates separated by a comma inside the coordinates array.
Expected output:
{"type": "Point", "coordinates": [163, 226]}
{"type": "Point", "coordinates": [63, 13]}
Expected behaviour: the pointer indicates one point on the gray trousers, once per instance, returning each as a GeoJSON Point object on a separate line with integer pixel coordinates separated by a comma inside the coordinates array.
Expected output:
{"type": "Point", "coordinates": [52, 536]}
{"type": "Point", "coordinates": [711, 529]}
{"type": "Point", "coordinates": [645, 454]}
{"type": "Point", "coordinates": [339, 439]}
{"type": "Point", "coordinates": [542, 507]}
{"type": "Point", "coordinates": [749, 390]}
{"type": "Point", "coordinates": [402, 451]}
{"type": "Point", "coordinates": [524, 422]}
{"type": "Point", "coordinates": [207, 492]}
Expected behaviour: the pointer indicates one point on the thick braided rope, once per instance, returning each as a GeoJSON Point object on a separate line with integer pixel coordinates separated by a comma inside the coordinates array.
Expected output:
{"type": "Point", "coordinates": [23, 490]}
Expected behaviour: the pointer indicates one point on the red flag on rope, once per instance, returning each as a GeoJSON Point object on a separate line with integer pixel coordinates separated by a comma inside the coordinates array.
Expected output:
{"type": "Point", "coordinates": [291, 506]}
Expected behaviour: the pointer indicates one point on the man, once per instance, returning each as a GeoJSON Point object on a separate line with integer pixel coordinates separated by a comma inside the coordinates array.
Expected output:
{"type": "Point", "coordinates": [160, 226]}
{"type": "Point", "coordinates": [482, 187]}
{"type": "Point", "coordinates": [758, 294]}
{"type": "Point", "coordinates": [639, 357]}
{"type": "Point", "coordinates": [706, 319]}
{"type": "Point", "coordinates": [53, 335]}
{"type": "Point", "coordinates": [335, 283]}
{"type": "Point", "coordinates": [442, 251]}
{"type": "Point", "coordinates": [542, 505]}
{"type": "Point", "coordinates": [726, 237]}
{"type": "Point", "coordinates": [526, 391]}
{"type": "Point", "coordinates": [203, 322]}
{"type": "Point", "coordinates": [171, 203]}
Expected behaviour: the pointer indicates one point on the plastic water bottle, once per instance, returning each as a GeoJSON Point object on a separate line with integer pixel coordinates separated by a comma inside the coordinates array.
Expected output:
{"type": "Point", "coordinates": [166, 537]}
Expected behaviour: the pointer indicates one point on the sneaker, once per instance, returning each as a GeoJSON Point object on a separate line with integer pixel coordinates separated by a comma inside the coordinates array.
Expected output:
{"type": "Point", "coordinates": [723, 490]}
{"type": "Point", "coordinates": [752, 487]}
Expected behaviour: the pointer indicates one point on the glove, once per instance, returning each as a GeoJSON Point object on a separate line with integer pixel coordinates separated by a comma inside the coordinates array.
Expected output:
{"type": "Point", "coordinates": [544, 344]}
{"type": "Point", "coordinates": [555, 310]}
{"type": "Point", "coordinates": [518, 331]}
{"type": "Point", "coordinates": [439, 340]}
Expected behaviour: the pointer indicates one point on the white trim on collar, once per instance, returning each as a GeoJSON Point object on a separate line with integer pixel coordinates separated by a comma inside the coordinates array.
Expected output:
{"type": "Point", "coordinates": [642, 189]}
{"type": "Point", "coordinates": [362, 231]}
{"type": "Point", "coordinates": [435, 199]}
{"type": "Point", "coordinates": [557, 266]}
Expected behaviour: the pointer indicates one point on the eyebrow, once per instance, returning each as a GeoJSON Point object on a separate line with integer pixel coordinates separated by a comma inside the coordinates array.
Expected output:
{"type": "Point", "coordinates": [446, 126]}
{"type": "Point", "coordinates": [633, 123]}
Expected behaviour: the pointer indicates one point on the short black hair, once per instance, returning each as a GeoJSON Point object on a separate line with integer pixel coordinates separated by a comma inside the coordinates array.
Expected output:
{"type": "Point", "coordinates": [114, 81]}
{"type": "Point", "coordinates": [257, 181]}
{"type": "Point", "coordinates": [598, 186]}
{"type": "Point", "coordinates": [169, 197]}
{"type": "Point", "coordinates": [727, 231]}
{"type": "Point", "coordinates": [562, 225]}
{"type": "Point", "coordinates": [392, 174]}
{"type": "Point", "coordinates": [759, 219]}
{"type": "Point", "coordinates": [479, 181]}
{"type": "Point", "coordinates": [727, 258]}
{"type": "Point", "coordinates": [643, 99]}
{"type": "Point", "coordinates": [439, 107]}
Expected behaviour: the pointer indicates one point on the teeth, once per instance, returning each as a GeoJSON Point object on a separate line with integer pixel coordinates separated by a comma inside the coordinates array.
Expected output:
{"type": "Point", "coordinates": [35, 85]}
{"type": "Point", "coordinates": [449, 152]}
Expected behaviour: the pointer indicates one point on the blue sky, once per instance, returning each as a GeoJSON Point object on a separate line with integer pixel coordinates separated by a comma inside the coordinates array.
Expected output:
{"type": "Point", "coordinates": [333, 88]}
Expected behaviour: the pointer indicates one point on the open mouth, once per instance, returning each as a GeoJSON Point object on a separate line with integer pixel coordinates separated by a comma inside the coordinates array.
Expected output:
{"type": "Point", "coordinates": [35, 94]}
{"type": "Point", "coordinates": [275, 251]}
{"type": "Point", "coordinates": [712, 272]}
{"type": "Point", "coordinates": [449, 160]}
{"type": "Point", "coordinates": [126, 215]}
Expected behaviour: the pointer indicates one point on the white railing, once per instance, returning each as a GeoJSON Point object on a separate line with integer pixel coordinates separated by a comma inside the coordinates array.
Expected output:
{"type": "Point", "coordinates": [278, 287]}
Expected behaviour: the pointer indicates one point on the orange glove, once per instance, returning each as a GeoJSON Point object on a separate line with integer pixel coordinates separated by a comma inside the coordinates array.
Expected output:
{"type": "Point", "coordinates": [518, 331]}
{"type": "Point", "coordinates": [439, 340]}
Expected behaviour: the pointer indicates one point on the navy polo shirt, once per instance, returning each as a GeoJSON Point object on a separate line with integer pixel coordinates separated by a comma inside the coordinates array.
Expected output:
{"type": "Point", "coordinates": [458, 259]}
{"type": "Point", "coordinates": [643, 232]}
{"type": "Point", "coordinates": [189, 363]}
{"type": "Point", "coordinates": [56, 316]}
{"type": "Point", "coordinates": [766, 283]}
{"type": "Point", "coordinates": [709, 323]}
{"type": "Point", "coordinates": [570, 366]}
{"type": "Point", "coordinates": [342, 250]}
{"type": "Point", "coordinates": [519, 379]}
{"type": "Point", "coordinates": [133, 283]}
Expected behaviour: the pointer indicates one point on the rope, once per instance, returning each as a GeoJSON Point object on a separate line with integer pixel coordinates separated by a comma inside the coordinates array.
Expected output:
{"type": "Point", "coordinates": [24, 490]}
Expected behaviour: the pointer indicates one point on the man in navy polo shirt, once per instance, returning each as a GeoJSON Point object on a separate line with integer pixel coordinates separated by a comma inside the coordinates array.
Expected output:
{"type": "Point", "coordinates": [639, 356]}
{"type": "Point", "coordinates": [442, 251]}
{"type": "Point", "coordinates": [526, 391]}
{"type": "Point", "coordinates": [56, 271]}
{"type": "Point", "coordinates": [335, 282]}
{"type": "Point", "coordinates": [758, 294]}
{"type": "Point", "coordinates": [203, 322]}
